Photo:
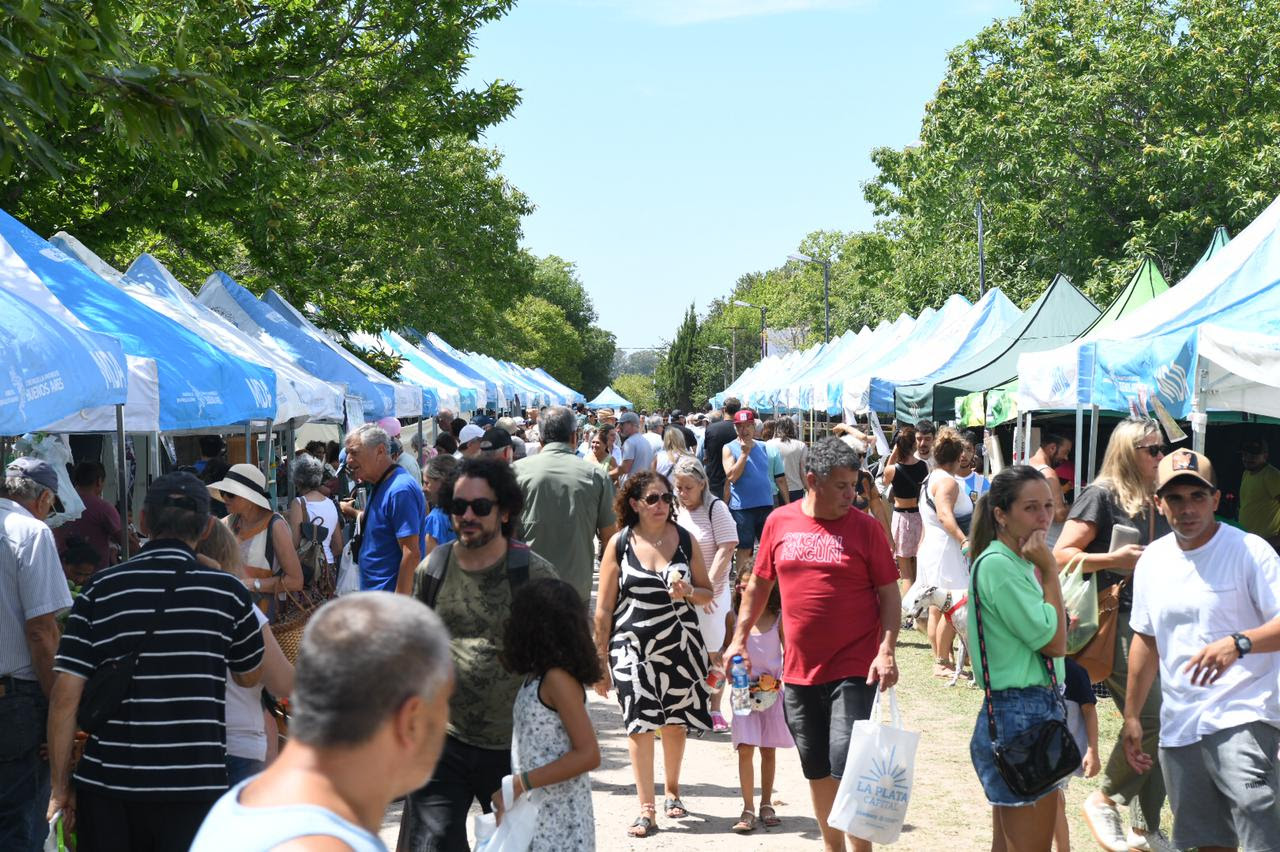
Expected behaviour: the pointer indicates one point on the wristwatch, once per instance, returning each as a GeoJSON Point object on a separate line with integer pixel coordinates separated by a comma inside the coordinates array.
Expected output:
{"type": "Point", "coordinates": [257, 584]}
{"type": "Point", "coordinates": [1243, 644]}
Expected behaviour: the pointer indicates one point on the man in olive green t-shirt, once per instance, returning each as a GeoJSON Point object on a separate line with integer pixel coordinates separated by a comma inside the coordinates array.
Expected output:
{"type": "Point", "coordinates": [568, 501]}
{"type": "Point", "coordinates": [1259, 493]}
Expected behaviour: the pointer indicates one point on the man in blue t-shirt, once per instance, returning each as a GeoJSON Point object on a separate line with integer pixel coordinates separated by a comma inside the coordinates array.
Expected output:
{"type": "Point", "coordinates": [750, 477]}
{"type": "Point", "coordinates": [392, 525]}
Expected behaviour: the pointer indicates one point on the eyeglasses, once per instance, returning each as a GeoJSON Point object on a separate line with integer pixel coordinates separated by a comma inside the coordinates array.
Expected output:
{"type": "Point", "coordinates": [482, 506]}
{"type": "Point", "coordinates": [652, 499]}
{"type": "Point", "coordinates": [1153, 450]}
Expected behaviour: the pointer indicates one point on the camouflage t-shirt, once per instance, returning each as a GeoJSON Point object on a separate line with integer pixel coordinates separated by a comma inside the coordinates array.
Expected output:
{"type": "Point", "coordinates": [474, 605]}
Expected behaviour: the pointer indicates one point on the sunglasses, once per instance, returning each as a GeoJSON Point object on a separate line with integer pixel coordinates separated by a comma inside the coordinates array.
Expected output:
{"type": "Point", "coordinates": [652, 499]}
{"type": "Point", "coordinates": [1155, 450]}
{"type": "Point", "coordinates": [482, 506]}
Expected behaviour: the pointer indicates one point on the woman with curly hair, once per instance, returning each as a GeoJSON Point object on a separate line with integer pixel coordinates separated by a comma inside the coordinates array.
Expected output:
{"type": "Point", "coordinates": [553, 747]}
{"type": "Point", "coordinates": [652, 578]}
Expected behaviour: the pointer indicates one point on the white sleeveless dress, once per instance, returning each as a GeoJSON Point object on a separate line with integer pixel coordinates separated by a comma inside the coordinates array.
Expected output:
{"type": "Point", "coordinates": [565, 818]}
{"type": "Point", "coordinates": [940, 561]}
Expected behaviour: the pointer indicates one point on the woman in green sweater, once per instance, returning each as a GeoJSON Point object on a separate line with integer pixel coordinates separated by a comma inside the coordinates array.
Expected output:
{"type": "Point", "coordinates": [1022, 625]}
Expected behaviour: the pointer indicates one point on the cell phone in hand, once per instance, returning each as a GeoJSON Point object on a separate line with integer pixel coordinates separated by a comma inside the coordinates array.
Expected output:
{"type": "Point", "coordinates": [1121, 534]}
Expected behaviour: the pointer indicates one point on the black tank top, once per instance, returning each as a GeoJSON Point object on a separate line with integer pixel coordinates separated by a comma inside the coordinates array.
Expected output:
{"type": "Point", "coordinates": [907, 479]}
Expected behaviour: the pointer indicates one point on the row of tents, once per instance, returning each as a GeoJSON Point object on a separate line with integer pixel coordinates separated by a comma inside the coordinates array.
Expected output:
{"type": "Point", "coordinates": [1211, 343]}
{"type": "Point", "coordinates": [80, 339]}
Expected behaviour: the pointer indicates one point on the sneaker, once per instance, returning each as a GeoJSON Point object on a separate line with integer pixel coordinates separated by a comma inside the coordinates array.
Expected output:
{"type": "Point", "coordinates": [718, 723]}
{"type": "Point", "coordinates": [1104, 821]}
{"type": "Point", "coordinates": [1152, 841]}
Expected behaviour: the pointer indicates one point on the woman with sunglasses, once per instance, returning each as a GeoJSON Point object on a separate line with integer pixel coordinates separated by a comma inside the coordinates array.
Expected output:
{"type": "Point", "coordinates": [1121, 495]}
{"type": "Point", "coordinates": [652, 578]}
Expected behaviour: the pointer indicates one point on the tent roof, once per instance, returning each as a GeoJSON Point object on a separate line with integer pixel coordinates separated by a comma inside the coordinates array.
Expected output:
{"type": "Point", "coordinates": [1060, 314]}
{"type": "Point", "coordinates": [609, 398]}
{"type": "Point", "coordinates": [1217, 242]}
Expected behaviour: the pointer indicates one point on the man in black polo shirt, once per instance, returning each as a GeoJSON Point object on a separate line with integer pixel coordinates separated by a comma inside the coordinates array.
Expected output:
{"type": "Point", "coordinates": [151, 772]}
{"type": "Point", "coordinates": [717, 435]}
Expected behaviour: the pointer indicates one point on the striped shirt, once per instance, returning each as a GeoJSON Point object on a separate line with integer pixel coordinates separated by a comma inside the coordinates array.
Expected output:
{"type": "Point", "coordinates": [167, 740]}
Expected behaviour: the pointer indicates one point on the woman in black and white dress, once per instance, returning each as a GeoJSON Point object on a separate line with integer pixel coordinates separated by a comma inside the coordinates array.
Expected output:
{"type": "Point", "coordinates": [652, 577]}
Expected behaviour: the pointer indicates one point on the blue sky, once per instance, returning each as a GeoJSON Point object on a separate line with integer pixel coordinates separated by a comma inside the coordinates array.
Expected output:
{"type": "Point", "coordinates": [673, 145]}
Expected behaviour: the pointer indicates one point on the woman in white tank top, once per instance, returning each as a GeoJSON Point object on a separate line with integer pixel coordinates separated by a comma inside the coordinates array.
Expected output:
{"type": "Point", "coordinates": [313, 505]}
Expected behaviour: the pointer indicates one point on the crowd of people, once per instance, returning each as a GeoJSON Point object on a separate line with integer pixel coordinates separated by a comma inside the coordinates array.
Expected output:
{"type": "Point", "coordinates": [492, 577]}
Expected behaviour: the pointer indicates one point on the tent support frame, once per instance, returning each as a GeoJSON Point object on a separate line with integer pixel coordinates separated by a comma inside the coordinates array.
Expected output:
{"type": "Point", "coordinates": [122, 483]}
{"type": "Point", "coordinates": [1093, 443]}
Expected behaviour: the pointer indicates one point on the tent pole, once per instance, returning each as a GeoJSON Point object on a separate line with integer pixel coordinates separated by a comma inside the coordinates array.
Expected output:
{"type": "Point", "coordinates": [153, 463]}
{"type": "Point", "coordinates": [248, 442]}
{"type": "Point", "coordinates": [1026, 453]}
{"type": "Point", "coordinates": [417, 455]}
{"type": "Point", "coordinates": [266, 461]}
{"type": "Point", "coordinates": [1093, 443]}
{"type": "Point", "coordinates": [122, 484]}
{"type": "Point", "coordinates": [291, 439]}
{"type": "Point", "coordinates": [1078, 445]}
{"type": "Point", "coordinates": [1199, 418]}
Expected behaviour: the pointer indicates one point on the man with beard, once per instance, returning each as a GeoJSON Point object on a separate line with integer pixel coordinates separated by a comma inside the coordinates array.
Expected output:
{"type": "Point", "coordinates": [470, 583]}
{"type": "Point", "coordinates": [1054, 450]}
{"type": "Point", "coordinates": [1259, 492]}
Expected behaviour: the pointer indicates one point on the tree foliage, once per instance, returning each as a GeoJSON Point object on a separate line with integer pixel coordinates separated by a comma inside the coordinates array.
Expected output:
{"type": "Point", "coordinates": [638, 390]}
{"type": "Point", "coordinates": [675, 373]}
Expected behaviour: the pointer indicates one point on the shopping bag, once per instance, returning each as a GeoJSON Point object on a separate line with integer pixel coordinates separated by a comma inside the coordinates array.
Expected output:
{"type": "Point", "coordinates": [871, 802]}
{"type": "Point", "coordinates": [55, 841]}
{"type": "Point", "coordinates": [348, 573]}
{"type": "Point", "coordinates": [1080, 598]}
{"type": "Point", "coordinates": [519, 822]}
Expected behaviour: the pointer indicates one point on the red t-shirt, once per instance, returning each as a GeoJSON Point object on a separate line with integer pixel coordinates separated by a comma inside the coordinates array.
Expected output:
{"type": "Point", "coordinates": [829, 572]}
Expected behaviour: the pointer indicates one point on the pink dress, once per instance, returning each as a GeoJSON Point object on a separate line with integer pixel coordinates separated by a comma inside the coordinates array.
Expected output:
{"type": "Point", "coordinates": [765, 728]}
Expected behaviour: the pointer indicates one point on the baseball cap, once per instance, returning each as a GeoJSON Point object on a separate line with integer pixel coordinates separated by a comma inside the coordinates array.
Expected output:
{"type": "Point", "coordinates": [629, 417]}
{"type": "Point", "coordinates": [1255, 447]}
{"type": "Point", "coordinates": [180, 489]}
{"type": "Point", "coordinates": [744, 415]}
{"type": "Point", "coordinates": [1188, 464]}
{"type": "Point", "coordinates": [469, 433]}
{"type": "Point", "coordinates": [38, 471]}
{"type": "Point", "coordinates": [495, 438]}
{"type": "Point", "coordinates": [484, 420]}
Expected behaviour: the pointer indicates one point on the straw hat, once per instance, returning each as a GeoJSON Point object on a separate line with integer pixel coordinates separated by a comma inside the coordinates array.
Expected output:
{"type": "Point", "coordinates": [243, 480]}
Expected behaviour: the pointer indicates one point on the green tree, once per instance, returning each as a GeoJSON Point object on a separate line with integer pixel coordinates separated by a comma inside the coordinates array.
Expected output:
{"type": "Point", "coordinates": [675, 373]}
{"type": "Point", "coordinates": [598, 348]}
{"type": "Point", "coordinates": [639, 390]}
{"type": "Point", "coordinates": [536, 333]}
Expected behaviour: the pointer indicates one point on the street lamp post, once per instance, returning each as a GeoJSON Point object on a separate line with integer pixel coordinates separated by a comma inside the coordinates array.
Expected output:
{"type": "Point", "coordinates": [826, 291]}
{"type": "Point", "coordinates": [764, 338]}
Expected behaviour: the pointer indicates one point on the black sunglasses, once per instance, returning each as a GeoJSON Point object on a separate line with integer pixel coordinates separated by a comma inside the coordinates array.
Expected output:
{"type": "Point", "coordinates": [1155, 450]}
{"type": "Point", "coordinates": [482, 506]}
{"type": "Point", "coordinates": [651, 499]}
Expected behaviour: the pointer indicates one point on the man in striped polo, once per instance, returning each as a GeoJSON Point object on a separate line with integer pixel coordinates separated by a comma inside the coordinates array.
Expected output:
{"type": "Point", "coordinates": [151, 770]}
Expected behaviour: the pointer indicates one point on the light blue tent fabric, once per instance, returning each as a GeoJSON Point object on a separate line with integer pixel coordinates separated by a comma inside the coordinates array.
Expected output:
{"type": "Point", "coordinates": [609, 398]}
{"type": "Point", "coordinates": [52, 369]}
{"type": "Point", "coordinates": [236, 304]}
{"type": "Point", "coordinates": [466, 395]}
{"type": "Point", "coordinates": [200, 386]}
{"type": "Point", "coordinates": [574, 397]}
{"type": "Point", "coordinates": [434, 346]}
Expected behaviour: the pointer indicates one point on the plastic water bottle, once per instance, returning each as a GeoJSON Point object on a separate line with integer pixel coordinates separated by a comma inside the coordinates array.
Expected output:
{"type": "Point", "coordinates": [740, 699]}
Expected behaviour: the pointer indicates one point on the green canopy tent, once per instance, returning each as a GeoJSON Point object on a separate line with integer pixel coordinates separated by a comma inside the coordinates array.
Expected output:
{"type": "Point", "coordinates": [1059, 316]}
{"type": "Point", "coordinates": [999, 404]}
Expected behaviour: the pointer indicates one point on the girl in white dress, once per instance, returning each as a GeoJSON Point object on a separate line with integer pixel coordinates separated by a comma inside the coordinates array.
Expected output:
{"type": "Point", "coordinates": [553, 746]}
{"type": "Point", "coordinates": [942, 560]}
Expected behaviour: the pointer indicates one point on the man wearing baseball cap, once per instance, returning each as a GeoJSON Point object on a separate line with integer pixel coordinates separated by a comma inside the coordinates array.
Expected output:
{"type": "Point", "coordinates": [637, 453]}
{"type": "Point", "coordinates": [469, 441]}
{"type": "Point", "coordinates": [33, 591]}
{"type": "Point", "coordinates": [1259, 492]}
{"type": "Point", "coordinates": [748, 470]}
{"type": "Point", "coordinates": [496, 443]}
{"type": "Point", "coordinates": [1206, 618]}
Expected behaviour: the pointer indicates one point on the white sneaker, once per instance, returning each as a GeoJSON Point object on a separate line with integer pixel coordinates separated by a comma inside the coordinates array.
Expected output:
{"type": "Point", "coordinates": [1104, 821]}
{"type": "Point", "coordinates": [1152, 841]}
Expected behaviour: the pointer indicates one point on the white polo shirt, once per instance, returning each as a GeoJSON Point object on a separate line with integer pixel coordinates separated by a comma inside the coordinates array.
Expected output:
{"type": "Point", "coordinates": [1189, 598]}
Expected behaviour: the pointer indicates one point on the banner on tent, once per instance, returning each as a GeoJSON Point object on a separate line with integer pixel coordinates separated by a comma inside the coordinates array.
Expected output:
{"type": "Point", "coordinates": [1132, 371]}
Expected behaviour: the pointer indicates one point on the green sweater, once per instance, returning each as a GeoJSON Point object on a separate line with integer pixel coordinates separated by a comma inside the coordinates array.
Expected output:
{"type": "Point", "coordinates": [1016, 621]}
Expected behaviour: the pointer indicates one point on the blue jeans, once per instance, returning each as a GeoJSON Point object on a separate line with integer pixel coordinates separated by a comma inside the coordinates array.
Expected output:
{"type": "Point", "coordinates": [240, 768]}
{"type": "Point", "coordinates": [24, 774]}
{"type": "Point", "coordinates": [1016, 710]}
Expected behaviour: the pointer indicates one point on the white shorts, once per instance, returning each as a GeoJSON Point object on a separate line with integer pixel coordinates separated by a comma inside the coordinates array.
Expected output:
{"type": "Point", "coordinates": [712, 624]}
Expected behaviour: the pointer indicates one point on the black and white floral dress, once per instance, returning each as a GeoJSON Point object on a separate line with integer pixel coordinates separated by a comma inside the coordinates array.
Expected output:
{"type": "Point", "coordinates": [565, 818]}
{"type": "Point", "coordinates": [657, 658]}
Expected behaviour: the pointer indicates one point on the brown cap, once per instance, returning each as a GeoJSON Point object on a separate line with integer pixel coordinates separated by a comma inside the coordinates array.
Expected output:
{"type": "Point", "coordinates": [1185, 464]}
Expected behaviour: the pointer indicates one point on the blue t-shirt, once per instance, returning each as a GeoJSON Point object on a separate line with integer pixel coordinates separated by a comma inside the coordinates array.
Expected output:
{"type": "Point", "coordinates": [755, 487]}
{"type": "Point", "coordinates": [396, 510]}
{"type": "Point", "coordinates": [439, 526]}
{"type": "Point", "coordinates": [231, 825]}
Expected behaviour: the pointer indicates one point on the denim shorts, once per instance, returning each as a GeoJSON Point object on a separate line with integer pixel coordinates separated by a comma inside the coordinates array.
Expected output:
{"type": "Point", "coordinates": [750, 523]}
{"type": "Point", "coordinates": [1016, 710]}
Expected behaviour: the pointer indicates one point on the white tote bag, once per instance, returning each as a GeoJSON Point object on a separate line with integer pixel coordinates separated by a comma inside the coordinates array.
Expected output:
{"type": "Point", "coordinates": [348, 572]}
{"type": "Point", "coordinates": [519, 822]}
{"type": "Point", "coordinates": [875, 789]}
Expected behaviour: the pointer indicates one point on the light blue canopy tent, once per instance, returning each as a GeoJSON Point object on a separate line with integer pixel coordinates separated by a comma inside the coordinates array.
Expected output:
{"type": "Point", "coordinates": [609, 398]}
{"type": "Point", "coordinates": [52, 369]}
{"type": "Point", "coordinates": [570, 394]}
{"type": "Point", "coordinates": [200, 386]}
{"type": "Point", "coordinates": [434, 346]}
{"type": "Point", "coordinates": [257, 319]}
{"type": "Point", "coordinates": [406, 398]}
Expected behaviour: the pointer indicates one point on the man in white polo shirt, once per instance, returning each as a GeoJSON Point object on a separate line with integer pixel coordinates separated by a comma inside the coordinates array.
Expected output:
{"type": "Point", "coordinates": [1206, 613]}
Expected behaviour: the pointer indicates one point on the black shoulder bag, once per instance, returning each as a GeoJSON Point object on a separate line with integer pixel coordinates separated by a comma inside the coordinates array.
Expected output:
{"type": "Point", "coordinates": [107, 687]}
{"type": "Point", "coordinates": [1030, 761]}
{"type": "Point", "coordinates": [428, 578]}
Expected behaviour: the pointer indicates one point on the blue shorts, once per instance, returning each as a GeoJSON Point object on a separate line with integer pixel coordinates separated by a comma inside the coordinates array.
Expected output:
{"type": "Point", "coordinates": [750, 525]}
{"type": "Point", "coordinates": [1016, 710]}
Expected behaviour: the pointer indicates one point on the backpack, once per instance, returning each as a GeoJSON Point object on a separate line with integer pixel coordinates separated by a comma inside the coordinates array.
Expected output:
{"type": "Point", "coordinates": [428, 577]}
{"type": "Point", "coordinates": [310, 548]}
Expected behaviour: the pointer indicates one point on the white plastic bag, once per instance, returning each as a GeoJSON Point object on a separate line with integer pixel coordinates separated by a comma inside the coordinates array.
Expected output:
{"type": "Point", "coordinates": [54, 842]}
{"type": "Point", "coordinates": [871, 802]}
{"type": "Point", "coordinates": [348, 573]}
{"type": "Point", "coordinates": [55, 450]}
{"type": "Point", "coordinates": [519, 822]}
{"type": "Point", "coordinates": [1080, 599]}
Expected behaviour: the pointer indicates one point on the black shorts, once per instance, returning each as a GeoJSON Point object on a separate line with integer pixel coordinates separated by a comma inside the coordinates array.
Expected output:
{"type": "Point", "coordinates": [821, 718]}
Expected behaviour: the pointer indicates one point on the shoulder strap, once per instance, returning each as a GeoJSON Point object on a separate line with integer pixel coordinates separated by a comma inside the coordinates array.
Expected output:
{"type": "Point", "coordinates": [428, 577]}
{"type": "Point", "coordinates": [685, 542]}
{"type": "Point", "coordinates": [271, 548]}
{"type": "Point", "coordinates": [620, 545]}
{"type": "Point", "coordinates": [519, 557]}
{"type": "Point", "coordinates": [165, 597]}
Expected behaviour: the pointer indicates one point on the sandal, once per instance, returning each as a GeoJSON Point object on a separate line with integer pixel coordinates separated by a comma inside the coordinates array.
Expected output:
{"type": "Point", "coordinates": [644, 824]}
{"type": "Point", "coordinates": [746, 823]}
{"type": "Point", "coordinates": [769, 817]}
{"type": "Point", "coordinates": [719, 724]}
{"type": "Point", "coordinates": [675, 808]}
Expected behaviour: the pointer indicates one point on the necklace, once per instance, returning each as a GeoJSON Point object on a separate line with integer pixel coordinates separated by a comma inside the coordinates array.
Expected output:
{"type": "Point", "coordinates": [656, 545]}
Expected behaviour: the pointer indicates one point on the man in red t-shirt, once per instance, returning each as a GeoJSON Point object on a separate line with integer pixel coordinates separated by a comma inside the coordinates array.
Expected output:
{"type": "Point", "coordinates": [840, 613]}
